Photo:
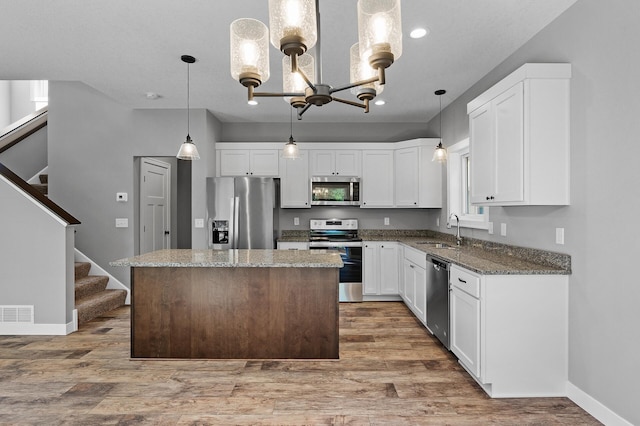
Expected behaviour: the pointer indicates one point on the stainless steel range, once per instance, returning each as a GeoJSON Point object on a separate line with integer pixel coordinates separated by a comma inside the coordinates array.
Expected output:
{"type": "Point", "coordinates": [341, 235]}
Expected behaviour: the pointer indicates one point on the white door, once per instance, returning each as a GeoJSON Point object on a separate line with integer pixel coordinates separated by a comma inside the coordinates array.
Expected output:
{"type": "Point", "coordinates": [155, 221]}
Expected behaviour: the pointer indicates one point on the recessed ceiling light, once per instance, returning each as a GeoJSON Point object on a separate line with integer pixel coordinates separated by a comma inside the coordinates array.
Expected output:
{"type": "Point", "coordinates": [151, 95]}
{"type": "Point", "coordinates": [418, 33]}
{"type": "Point", "coordinates": [252, 102]}
{"type": "Point", "coordinates": [380, 102]}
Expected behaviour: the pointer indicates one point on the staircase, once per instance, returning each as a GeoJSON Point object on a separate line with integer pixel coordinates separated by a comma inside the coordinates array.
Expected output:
{"type": "Point", "coordinates": [43, 186]}
{"type": "Point", "coordinates": [92, 297]}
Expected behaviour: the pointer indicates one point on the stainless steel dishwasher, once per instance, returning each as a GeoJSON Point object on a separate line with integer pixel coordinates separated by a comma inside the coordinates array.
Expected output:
{"type": "Point", "coordinates": [438, 299]}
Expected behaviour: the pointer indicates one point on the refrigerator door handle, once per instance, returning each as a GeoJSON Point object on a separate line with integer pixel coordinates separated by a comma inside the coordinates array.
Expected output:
{"type": "Point", "coordinates": [235, 204]}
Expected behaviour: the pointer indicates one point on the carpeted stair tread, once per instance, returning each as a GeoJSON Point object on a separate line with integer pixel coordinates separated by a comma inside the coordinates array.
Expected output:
{"type": "Point", "coordinates": [82, 269]}
{"type": "Point", "coordinates": [44, 178]}
{"type": "Point", "coordinates": [42, 187]}
{"type": "Point", "coordinates": [90, 284]}
{"type": "Point", "coordinates": [95, 305]}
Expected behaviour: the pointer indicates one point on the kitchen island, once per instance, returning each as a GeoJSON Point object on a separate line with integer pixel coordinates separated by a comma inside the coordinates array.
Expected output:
{"type": "Point", "coordinates": [234, 304]}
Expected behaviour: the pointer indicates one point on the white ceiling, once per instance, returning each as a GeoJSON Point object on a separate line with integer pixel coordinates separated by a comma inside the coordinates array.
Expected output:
{"type": "Point", "coordinates": [126, 48]}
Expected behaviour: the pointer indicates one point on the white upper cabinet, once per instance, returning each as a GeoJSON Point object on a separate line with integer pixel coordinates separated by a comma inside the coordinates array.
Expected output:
{"type": "Point", "coordinates": [254, 162]}
{"type": "Point", "coordinates": [418, 180]}
{"type": "Point", "coordinates": [336, 162]}
{"type": "Point", "coordinates": [295, 188]}
{"type": "Point", "coordinates": [519, 138]}
{"type": "Point", "coordinates": [377, 178]}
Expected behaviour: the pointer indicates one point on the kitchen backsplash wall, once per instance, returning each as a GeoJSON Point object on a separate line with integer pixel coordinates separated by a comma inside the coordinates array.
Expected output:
{"type": "Point", "coordinates": [367, 218]}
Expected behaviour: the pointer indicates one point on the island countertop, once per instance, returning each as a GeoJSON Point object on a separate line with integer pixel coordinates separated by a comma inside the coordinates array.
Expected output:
{"type": "Point", "coordinates": [235, 258]}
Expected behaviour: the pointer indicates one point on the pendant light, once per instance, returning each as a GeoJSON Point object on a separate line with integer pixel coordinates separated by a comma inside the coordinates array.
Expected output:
{"type": "Point", "coordinates": [290, 150]}
{"type": "Point", "coordinates": [440, 154]}
{"type": "Point", "coordinates": [188, 150]}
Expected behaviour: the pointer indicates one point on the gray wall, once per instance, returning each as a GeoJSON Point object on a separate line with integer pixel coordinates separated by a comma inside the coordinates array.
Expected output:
{"type": "Point", "coordinates": [600, 40]}
{"type": "Point", "coordinates": [93, 142]}
{"type": "Point", "coordinates": [5, 103]}
{"type": "Point", "coordinates": [21, 103]}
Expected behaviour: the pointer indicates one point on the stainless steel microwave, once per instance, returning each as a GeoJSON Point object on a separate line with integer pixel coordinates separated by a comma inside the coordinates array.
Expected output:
{"type": "Point", "coordinates": [335, 191]}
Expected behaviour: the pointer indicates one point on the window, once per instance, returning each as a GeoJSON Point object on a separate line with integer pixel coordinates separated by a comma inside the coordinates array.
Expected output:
{"type": "Point", "coordinates": [40, 93]}
{"type": "Point", "coordinates": [459, 189]}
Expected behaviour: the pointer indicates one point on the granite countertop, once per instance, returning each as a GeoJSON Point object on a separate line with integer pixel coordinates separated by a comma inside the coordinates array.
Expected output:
{"type": "Point", "coordinates": [185, 258]}
{"type": "Point", "coordinates": [480, 256]}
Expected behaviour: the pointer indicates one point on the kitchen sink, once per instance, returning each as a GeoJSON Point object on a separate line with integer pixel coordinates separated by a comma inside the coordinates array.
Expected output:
{"type": "Point", "coordinates": [435, 244]}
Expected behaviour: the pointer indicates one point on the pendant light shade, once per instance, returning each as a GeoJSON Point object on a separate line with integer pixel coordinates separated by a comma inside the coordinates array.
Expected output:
{"type": "Point", "coordinates": [292, 82]}
{"type": "Point", "coordinates": [188, 150]}
{"type": "Point", "coordinates": [379, 31]}
{"type": "Point", "coordinates": [440, 154]}
{"type": "Point", "coordinates": [293, 24]}
{"type": "Point", "coordinates": [361, 70]}
{"type": "Point", "coordinates": [249, 51]}
{"type": "Point", "coordinates": [290, 150]}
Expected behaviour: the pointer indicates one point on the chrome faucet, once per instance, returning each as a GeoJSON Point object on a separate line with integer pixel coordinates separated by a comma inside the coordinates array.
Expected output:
{"type": "Point", "coordinates": [458, 237]}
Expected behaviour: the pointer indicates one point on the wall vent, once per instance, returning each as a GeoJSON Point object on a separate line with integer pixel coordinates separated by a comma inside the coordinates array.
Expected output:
{"type": "Point", "coordinates": [16, 314]}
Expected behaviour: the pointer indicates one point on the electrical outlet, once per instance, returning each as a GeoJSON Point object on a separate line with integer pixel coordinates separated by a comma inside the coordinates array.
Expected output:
{"type": "Point", "coordinates": [296, 221]}
{"type": "Point", "coordinates": [503, 229]}
{"type": "Point", "coordinates": [559, 235]}
{"type": "Point", "coordinates": [490, 229]}
{"type": "Point", "coordinates": [386, 220]}
{"type": "Point", "coordinates": [199, 223]}
{"type": "Point", "coordinates": [122, 222]}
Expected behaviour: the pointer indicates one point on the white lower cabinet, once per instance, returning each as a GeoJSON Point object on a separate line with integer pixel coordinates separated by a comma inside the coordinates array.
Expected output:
{"type": "Point", "coordinates": [381, 268]}
{"type": "Point", "coordinates": [414, 276]}
{"type": "Point", "coordinates": [510, 331]}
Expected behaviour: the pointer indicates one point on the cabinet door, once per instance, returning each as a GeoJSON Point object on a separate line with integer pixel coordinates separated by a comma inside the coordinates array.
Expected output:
{"type": "Point", "coordinates": [420, 300]}
{"type": "Point", "coordinates": [481, 149]}
{"type": "Point", "coordinates": [389, 268]}
{"type": "Point", "coordinates": [409, 283]}
{"type": "Point", "coordinates": [234, 162]}
{"type": "Point", "coordinates": [509, 145]}
{"type": "Point", "coordinates": [295, 188]}
{"type": "Point", "coordinates": [370, 272]}
{"type": "Point", "coordinates": [322, 163]}
{"type": "Point", "coordinates": [465, 329]}
{"type": "Point", "coordinates": [407, 177]}
{"type": "Point", "coordinates": [348, 163]}
{"type": "Point", "coordinates": [377, 178]}
{"type": "Point", "coordinates": [264, 162]}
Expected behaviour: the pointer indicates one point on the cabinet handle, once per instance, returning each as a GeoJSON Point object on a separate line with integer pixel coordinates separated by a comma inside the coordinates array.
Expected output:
{"type": "Point", "coordinates": [411, 266]}
{"type": "Point", "coordinates": [462, 281]}
{"type": "Point", "coordinates": [490, 198]}
{"type": "Point", "coordinates": [415, 203]}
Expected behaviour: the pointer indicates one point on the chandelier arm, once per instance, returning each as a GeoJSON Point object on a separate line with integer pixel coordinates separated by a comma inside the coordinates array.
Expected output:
{"type": "Point", "coordinates": [303, 110]}
{"type": "Point", "coordinates": [348, 102]}
{"type": "Point", "coordinates": [354, 84]}
{"type": "Point", "coordinates": [306, 80]}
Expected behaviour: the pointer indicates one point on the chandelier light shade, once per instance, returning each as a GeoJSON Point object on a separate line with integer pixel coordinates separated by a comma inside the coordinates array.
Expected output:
{"type": "Point", "coordinates": [361, 70]}
{"type": "Point", "coordinates": [379, 31]}
{"type": "Point", "coordinates": [188, 150]}
{"type": "Point", "coordinates": [440, 153]}
{"type": "Point", "coordinates": [293, 82]}
{"type": "Point", "coordinates": [294, 25]}
{"type": "Point", "coordinates": [295, 28]}
{"type": "Point", "coordinates": [249, 52]}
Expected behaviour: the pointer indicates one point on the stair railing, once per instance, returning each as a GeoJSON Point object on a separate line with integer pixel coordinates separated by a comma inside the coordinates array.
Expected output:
{"type": "Point", "coordinates": [23, 128]}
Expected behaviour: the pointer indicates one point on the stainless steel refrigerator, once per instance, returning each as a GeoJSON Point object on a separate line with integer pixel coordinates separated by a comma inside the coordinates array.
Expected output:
{"type": "Point", "coordinates": [242, 212]}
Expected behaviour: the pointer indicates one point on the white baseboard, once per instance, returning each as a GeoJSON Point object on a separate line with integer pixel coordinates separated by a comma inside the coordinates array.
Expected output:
{"type": "Point", "coordinates": [35, 329]}
{"type": "Point", "coordinates": [594, 407]}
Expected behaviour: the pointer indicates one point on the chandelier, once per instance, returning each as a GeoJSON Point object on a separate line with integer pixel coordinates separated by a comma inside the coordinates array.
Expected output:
{"type": "Point", "coordinates": [295, 28]}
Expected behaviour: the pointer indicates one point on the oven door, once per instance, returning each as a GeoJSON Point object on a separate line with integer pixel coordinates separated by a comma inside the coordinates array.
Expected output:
{"type": "Point", "coordinates": [350, 287]}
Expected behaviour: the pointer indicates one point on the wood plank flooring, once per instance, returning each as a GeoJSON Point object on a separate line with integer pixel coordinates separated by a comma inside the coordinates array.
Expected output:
{"type": "Point", "coordinates": [391, 372]}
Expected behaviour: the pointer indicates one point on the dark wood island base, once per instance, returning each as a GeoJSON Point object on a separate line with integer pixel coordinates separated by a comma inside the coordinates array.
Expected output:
{"type": "Point", "coordinates": [234, 313]}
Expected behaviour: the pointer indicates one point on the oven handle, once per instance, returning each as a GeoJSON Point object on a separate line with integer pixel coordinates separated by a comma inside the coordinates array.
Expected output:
{"type": "Point", "coordinates": [329, 244]}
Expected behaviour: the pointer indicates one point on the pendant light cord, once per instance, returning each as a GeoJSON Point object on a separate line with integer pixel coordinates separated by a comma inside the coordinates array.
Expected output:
{"type": "Point", "coordinates": [291, 122]}
{"type": "Point", "coordinates": [188, 99]}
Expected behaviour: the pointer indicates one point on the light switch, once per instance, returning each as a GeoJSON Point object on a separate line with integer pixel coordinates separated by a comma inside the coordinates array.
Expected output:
{"type": "Point", "coordinates": [503, 229]}
{"type": "Point", "coordinates": [559, 235]}
{"type": "Point", "coordinates": [199, 223]}
{"type": "Point", "coordinates": [122, 222]}
{"type": "Point", "coordinates": [490, 229]}
{"type": "Point", "coordinates": [121, 197]}
{"type": "Point", "coordinates": [386, 220]}
{"type": "Point", "coordinates": [296, 221]}
{"type": "Point", "coordinates": [437, 222]}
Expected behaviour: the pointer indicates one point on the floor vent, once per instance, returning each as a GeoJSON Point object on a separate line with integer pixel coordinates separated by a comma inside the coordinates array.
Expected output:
{"type": "Point", "coordinates": [16, 314]}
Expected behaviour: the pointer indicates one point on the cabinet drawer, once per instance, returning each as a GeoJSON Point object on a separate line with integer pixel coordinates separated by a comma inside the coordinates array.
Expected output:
{"type": "Point", "coordinates": [465, 281]}
{"type": "Point", "coordinates": [416, 256]}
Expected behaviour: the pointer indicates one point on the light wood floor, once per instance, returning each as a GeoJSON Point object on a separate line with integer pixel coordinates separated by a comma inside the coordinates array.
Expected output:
{"type": "Point", "coordinates": [391, 372]}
